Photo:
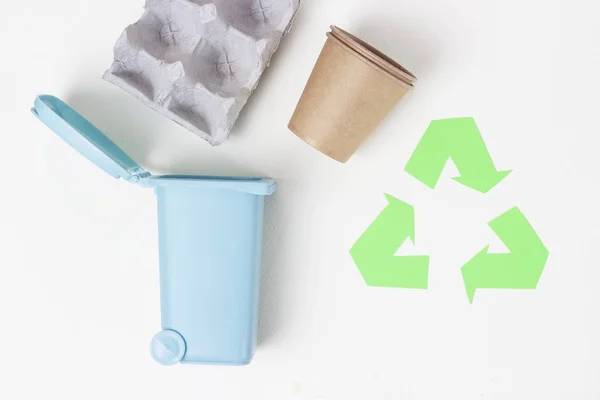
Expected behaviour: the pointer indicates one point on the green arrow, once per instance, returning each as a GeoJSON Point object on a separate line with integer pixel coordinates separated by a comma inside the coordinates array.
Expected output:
{"type": "Point", "coordinates": [519, 269]}
{"type": "Point", "coordinates": [374, 251]}
{"type": "Point", "coordinates": [459, 139]}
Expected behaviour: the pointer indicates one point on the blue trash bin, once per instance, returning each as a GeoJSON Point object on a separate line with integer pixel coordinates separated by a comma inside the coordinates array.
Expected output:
{"type": "Point", "coordinates": [210, 242]}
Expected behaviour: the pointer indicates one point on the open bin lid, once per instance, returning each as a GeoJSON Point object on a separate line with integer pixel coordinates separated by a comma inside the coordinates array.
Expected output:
{"type": "Point", "coordinates": [84, 137]}
{"type": "Point", "coordinates": [88, 140]}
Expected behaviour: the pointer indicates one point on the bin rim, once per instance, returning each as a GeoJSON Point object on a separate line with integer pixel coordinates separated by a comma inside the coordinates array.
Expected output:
{"type": "Point", "coordinates": [256, 186]}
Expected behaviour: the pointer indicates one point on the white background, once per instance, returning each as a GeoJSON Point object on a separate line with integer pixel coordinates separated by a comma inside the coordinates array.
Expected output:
{"type": "Point", "coordinates": [79, 290]}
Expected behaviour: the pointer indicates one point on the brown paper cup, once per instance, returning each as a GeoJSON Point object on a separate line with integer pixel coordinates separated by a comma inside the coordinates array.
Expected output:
{"type": "Point", "coordinates": [347, 96]}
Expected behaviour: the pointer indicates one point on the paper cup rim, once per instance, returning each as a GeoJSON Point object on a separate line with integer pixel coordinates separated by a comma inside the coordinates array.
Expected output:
{"type": "Point", "coordinates": [368, 61]}
{"type": "Point", "coordinates": [373, 54]}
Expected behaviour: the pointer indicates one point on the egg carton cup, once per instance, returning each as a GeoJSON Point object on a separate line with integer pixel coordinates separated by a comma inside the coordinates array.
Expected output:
{"type": "Point", "coordinates": [197, 62]}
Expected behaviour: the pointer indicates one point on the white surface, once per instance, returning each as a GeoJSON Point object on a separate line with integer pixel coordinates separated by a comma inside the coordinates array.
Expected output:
{"type": "Point", "coordinates": [79, 265]}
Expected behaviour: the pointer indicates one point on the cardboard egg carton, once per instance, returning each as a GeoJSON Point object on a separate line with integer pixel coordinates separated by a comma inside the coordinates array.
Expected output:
{"type": "Point", "coordinates": [196, 61]}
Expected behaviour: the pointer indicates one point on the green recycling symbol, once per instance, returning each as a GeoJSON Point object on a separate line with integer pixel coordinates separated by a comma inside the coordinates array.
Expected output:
{"type": "Point", "coordinates": [460, 140]}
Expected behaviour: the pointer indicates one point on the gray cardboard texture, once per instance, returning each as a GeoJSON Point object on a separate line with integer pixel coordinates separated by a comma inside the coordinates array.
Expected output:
{"type": "Point", "coordinates": [196, 61]}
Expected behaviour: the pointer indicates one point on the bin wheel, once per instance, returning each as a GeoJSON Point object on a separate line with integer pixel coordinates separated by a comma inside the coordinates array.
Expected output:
{"type": "Point", "coordinates": [167, 347]}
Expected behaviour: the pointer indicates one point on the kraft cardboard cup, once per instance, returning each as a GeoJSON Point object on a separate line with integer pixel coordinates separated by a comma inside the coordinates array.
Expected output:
{"type": "Point", "coordinates": [374, 55]}
{"type": "Point", "coordinates": [347, 96]}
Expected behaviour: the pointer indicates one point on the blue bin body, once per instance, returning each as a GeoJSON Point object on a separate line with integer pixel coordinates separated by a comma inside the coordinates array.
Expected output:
{"type": "Point", "coordinates": [210, 260]}
{"type": "Point", "coordinates": [210, 241]}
